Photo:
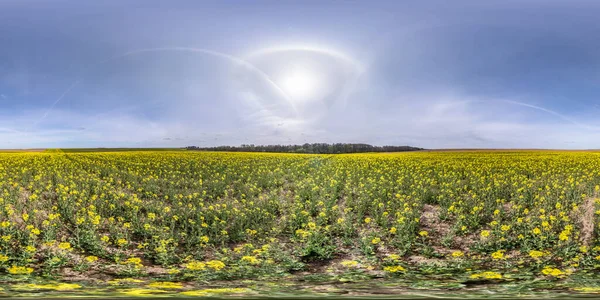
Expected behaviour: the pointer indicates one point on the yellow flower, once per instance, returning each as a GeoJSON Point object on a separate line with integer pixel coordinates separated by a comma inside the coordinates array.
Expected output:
{"type": "Point", "coordinates": [207, 292]}
{"type": "Point", "coordinates": [367, 220]}
{"type": "Point", "coordinates": [195, 266]}
{"type": "Point", "coordinates": [552, 272]}
{"type": "Point", "coordinates": [498, 254]}
{"type": "Point", "coordinates": [536, 231]}
{"type": "Point", "coordinates": [64, 246]}
{"type": "Point", "coordinates": [124, 281]}
{"type": "Point", "coordinates": [216, 265]}
{"type": "Point", "coordinates": [134, 261]}
{"type": "Point", "coordinates": [393, 257]}
{"type": "Point", "coordinates": [250, 259]}
{"type": "Point", "coordinates": [536, 254]}
{"type": "Point", "coordinates": [423, 233]}
{"type": "Point", "coordinates": [349, 263]}
{"type": "Point", "coordinates": [487, 275]}
{"type": "Point", "coordinates": [91, 259]}
{"type": "Point", "coordinates": [485, 233]}
{"type": "Point", "coordinates": [16, 270]}
{"type": "Point", "coordinates": [457, 254]}
{"type": "Point", "coordinates": [165, 285]}
{"type": "Point", "coordinates": [140, 292]}
{"type": "Point", "coordinates": [3, 258]}
{"type": "Point", "coordinates": [393, 230]}
{"type": "Point", "coordinates": [394, 269]}
{"type": "Point", "coordinates": [50, 286]}
{"type": "Point", "coordinates": [375, 241]}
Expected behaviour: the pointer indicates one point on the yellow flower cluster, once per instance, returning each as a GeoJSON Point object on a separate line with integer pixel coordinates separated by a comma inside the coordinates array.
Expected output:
{"type": "Point", "coordinates": [164, 205]}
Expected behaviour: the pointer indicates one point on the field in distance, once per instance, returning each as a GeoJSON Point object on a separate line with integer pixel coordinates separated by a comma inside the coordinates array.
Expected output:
{"type": "Point", "coordinates": [150, 222]}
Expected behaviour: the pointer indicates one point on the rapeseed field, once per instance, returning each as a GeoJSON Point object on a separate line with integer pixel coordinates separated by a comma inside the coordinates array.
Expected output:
{"type": "Point", "coordinates": [162, 219]}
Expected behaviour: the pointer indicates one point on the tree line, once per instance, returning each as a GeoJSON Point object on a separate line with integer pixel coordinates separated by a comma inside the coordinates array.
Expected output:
{"type": "Point", "coordinates": [315, 148]}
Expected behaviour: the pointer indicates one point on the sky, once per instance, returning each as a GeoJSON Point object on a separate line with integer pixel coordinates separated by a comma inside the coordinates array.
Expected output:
{"type": "Point", "coordinates": [432, 74]}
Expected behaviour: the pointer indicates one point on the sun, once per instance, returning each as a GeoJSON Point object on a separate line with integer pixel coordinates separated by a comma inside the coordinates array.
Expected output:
{"type": "Point", "coordinates": [300, 84]}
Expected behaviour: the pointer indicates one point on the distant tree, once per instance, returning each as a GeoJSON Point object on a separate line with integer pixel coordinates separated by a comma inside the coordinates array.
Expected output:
{"type": "Point", "coordinates": [315, 148]}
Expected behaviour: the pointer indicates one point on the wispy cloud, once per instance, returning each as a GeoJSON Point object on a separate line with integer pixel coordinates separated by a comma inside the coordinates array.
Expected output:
{"type": "Point", "coordinates": [433, 75]}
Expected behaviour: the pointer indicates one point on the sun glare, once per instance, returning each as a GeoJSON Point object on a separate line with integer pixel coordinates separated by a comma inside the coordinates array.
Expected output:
{"type": "Point", "coordinates": [300, 84]}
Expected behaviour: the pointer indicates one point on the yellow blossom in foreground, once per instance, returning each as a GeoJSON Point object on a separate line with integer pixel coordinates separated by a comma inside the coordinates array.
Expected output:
{"type": "Point", "coordinates": [349, 263]}
{"type": "Point", "coordinates": [250, 259]}
{"type": "Point", "coordinates": [498, 254]}
{"type": "Point", "coordinates": [91, 259]}
{"type": "Point", "coordinates": [173, 271]}
{"type": "Point", "coordinates": [165, 285]}
{"type": "Point", "coordinates": [140, 292]}
{"type": "Point", "coordinates": [16, 270]}
{"type": "Point", "coordinates": [124, 281]}
{"type": "Point", "coordinates": [195, 266]}
{"type": "Point", "coordinates": [457, 254]}
{"type": "Point", "coordinates": [394, 269]}
{"type": "Point", "coordinates": [393, 257]}
{"type": "Point", "coordinates": [487, 275]}
{"type": "Point", "coordinates": [552, 271]}
{"type": "Point", "coordinates": [49, 286]}
{"type": "Point", "coordinates": [64, 246]}
{"type": "Point", "coordinates": [216, 265]}
{"type": "Point", "coordinates": [205, 292]}
{"type": "Point", "coordinates": [536, 254]}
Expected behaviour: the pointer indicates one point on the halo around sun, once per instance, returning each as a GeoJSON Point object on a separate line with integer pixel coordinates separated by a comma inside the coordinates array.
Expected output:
{"type": "Point", "coordinates": [314, 81]}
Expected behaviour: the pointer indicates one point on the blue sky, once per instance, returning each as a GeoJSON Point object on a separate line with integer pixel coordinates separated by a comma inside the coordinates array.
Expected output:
{"type": "Point", "coordinates": [435, 74]}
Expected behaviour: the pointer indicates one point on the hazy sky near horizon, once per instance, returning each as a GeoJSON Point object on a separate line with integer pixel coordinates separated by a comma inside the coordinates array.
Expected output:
{"type": "Point", "coordinates": [434, 74]}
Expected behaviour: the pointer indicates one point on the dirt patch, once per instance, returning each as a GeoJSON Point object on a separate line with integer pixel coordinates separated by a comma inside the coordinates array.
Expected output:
{"type": "Point", "coordinates": [464, 242]}
{"type": "Point", "coordinates": [438, 229]}
{"type": "Point", "coordinates": [156, 270]}
{"type": "Point", "coordinates": [507, 207]}
{"type": "Point", "coordinates": [585, 217]}
{"type": "Point", "coordinates": [430, 219]}
{"type": "Point", "coordinates": [421, 260]}
{"type": "Point", "coordinates": [68, 274]}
